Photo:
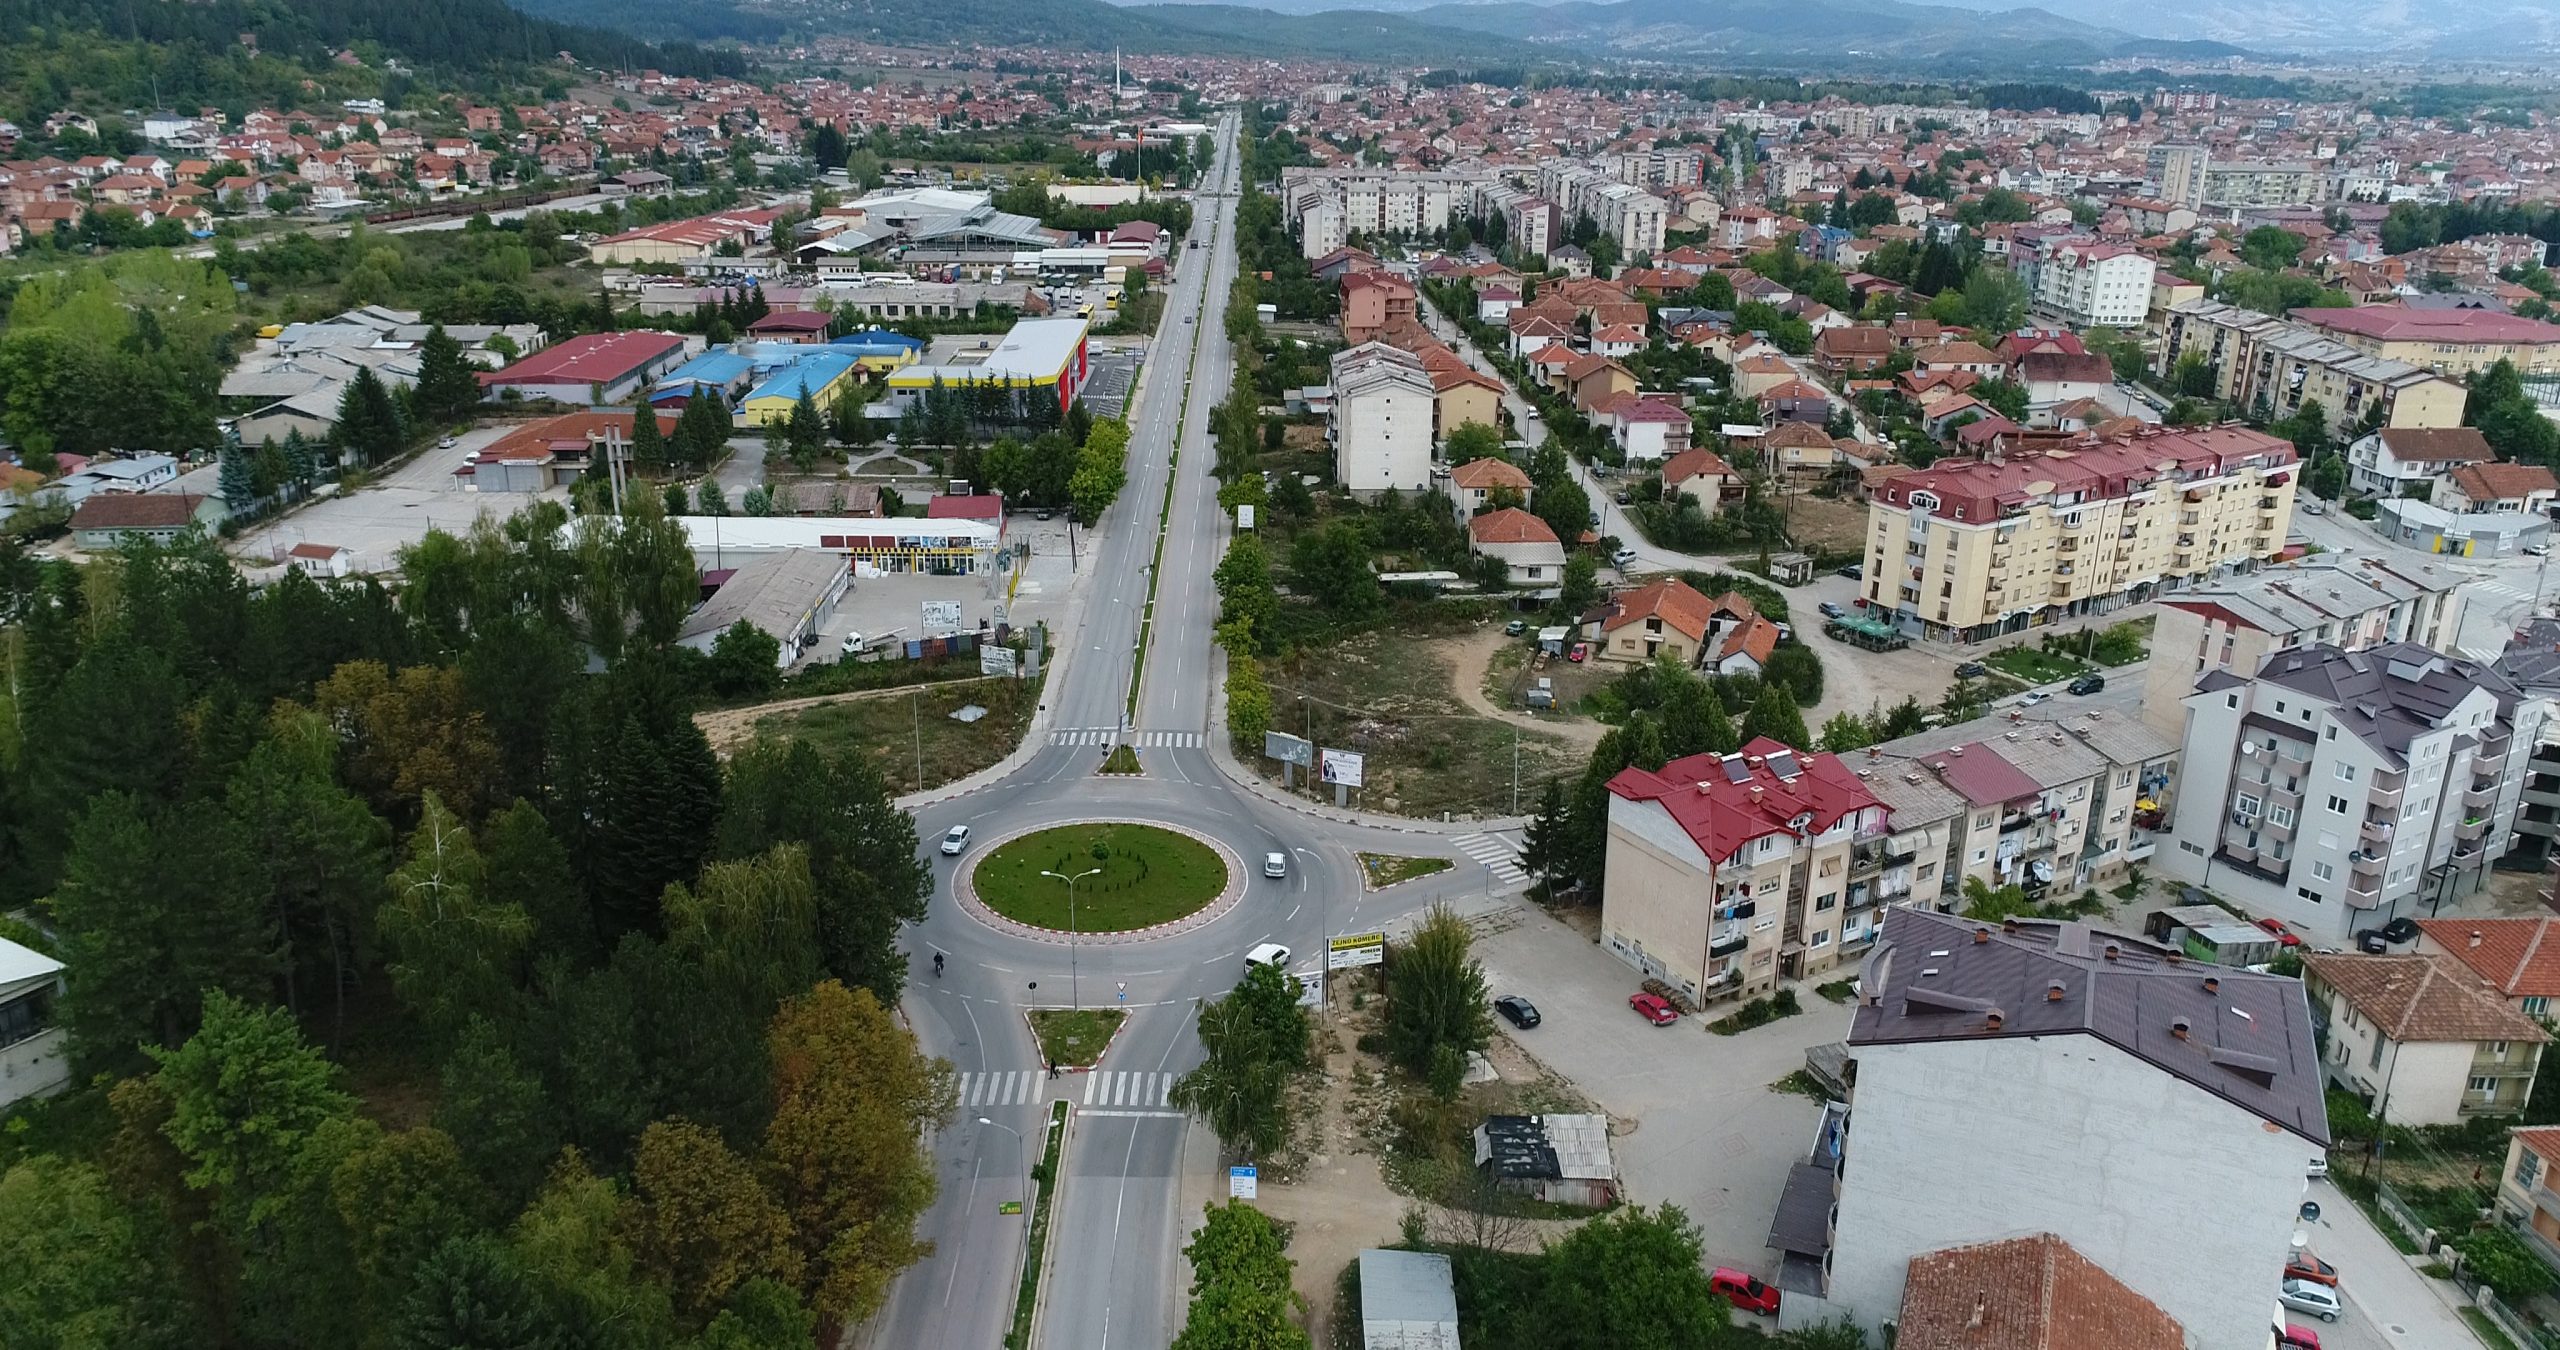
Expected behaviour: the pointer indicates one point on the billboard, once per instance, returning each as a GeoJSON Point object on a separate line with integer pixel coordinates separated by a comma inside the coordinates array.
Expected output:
{"type": "Point", "coordinates": [1289, 749]}
{"type": "Point", "coordinates": [1342, 768]}
{"type": "Point", "coordinates": [1355, 949]}
{"type": "Point", "coordinates": [941, 616]}
{"type": "Point", "coordinates": [994, 660]}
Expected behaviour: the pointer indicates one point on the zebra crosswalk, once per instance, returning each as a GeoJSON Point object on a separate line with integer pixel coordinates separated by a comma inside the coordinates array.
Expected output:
{"type": "Point", "coordinates": [1127, 1089]}
{"type": "Point", "coordinates": [1499, 855]}
{"type": "Point", "coordinates": [1018, 1087]}
{"type": "Point", "coordinates": [1145, 740]}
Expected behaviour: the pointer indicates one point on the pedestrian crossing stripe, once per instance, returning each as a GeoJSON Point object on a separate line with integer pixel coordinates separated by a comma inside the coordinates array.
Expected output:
{"type": "Point", "coordinates": [1149, 740]}
{"type": "Point", "coordinates": [1495, 853]}
{"type": "Point", "coordinates": [1127, 1089]}
{"type": "Point", "coordinates": [1017, 1087]}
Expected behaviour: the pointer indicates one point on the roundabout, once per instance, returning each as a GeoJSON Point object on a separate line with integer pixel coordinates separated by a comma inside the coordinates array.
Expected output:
{"type": "Point", "coordinates": [1108, 881]}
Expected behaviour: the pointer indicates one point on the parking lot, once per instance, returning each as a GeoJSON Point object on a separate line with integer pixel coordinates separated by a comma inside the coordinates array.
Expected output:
{"type": "Point", "coordinates": [1697, 1124]}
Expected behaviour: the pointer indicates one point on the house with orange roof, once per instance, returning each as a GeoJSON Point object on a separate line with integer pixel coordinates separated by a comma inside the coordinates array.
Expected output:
{"type": "Point", "coordinates": [1703, 477]}
{"type": "Point", "coordinates": [2422, 1037]}
{"type": "Point", "coordinates": [1594, 380]}
{"type": "Point", "coordinates": [1663, 618]}
{"type": "Point", "coordinates": [2529, 1189]}
{"type": "Point", "coordinates": [1475, 486]}
{"type": "Point", "coordinates": [2520, 957]}
{"type": "Point", "coordinates": [1529, 550]}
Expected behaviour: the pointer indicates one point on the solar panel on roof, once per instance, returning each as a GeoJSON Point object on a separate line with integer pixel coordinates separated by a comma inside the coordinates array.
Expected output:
{"type": "Point", "coordinates": [1735, 770]}
{"type": "Point", "coordinates": [1783, 765]}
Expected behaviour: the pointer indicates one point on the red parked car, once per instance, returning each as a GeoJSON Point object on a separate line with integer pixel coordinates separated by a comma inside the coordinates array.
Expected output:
{"type": "Point", "coordinates": [1654, 1008]}
{"type": "Point", "coordinates": [1744, 1292]}
{"type": "Point", "coordinates": [2307, 1265]}
{"type": "Point", "coordinates": [2285, 937]}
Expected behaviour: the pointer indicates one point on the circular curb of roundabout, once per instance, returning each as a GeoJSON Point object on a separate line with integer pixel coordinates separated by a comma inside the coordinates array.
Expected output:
{"type": "Point", "coordinates": [964, 888]}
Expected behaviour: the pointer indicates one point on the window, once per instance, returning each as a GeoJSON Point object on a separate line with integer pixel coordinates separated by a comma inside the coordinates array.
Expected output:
{"type": "Point", "coordinates": [1821, 940]}
{"type": "Point", "coordinates": [2321, 871]}
{"type": "Point", "coordinates": [2497, 1049]}
{"type": "Point", "coordinates": [2306, 893]}
{"type": "Point", "coordinates": [2246, 805]}
{"type": "Point", "coordinates": [2486, 1087]}
{"type": "Point", "coordinates": [2347, 773]}
{"type": "Point", "coordinates": [2231, 700]}
{"type": "Point", "coordinates": [1769, 887]}
{"type": "Point", "coordinates": [2374, 1060]}
{"type": "Point", "coordinates": [2536, 1006]}
{"type": "Point", "coordinates": [1980, 854]}
{"type": "Point", "coordinates": [1826, 901]}
{"type": "Point", "coordinates": [2332, 731]}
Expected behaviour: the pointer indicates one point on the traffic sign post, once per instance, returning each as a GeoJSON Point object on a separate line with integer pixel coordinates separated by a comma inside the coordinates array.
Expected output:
{"type": "Point", "coordinates": [1243, 1183]}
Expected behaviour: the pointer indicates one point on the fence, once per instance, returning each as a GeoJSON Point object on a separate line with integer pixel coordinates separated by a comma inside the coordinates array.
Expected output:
{"type": "Point", "coordinates": [2402, 1217]}
{"type": "Point", "coordinates": [2507, 1320]}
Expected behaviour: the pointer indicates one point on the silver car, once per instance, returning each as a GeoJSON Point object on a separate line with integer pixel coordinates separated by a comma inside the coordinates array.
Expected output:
{"type": "Point", "coordinates": [2311, 1297]}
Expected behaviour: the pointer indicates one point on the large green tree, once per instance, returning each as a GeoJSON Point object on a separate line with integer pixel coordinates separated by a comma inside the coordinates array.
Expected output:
{"type": "Point", "coordinates": [1240, 1285]}
{"type": "Point", "coordinates": [1633, 1277]}
{"type": "Point", "coordinates": [861, 848]}
{"type": "Point", "coordinates": [1437, 1000]}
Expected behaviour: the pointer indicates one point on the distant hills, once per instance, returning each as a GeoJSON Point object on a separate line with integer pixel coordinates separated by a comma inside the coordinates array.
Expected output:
{"type": "Point", "coordinates": [1776, 31]}
{"type": "Point", "coordinates": [2482, 29]}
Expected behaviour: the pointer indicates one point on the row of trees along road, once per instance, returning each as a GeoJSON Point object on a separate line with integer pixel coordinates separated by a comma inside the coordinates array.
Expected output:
{"type": "Point", "coordinates": [427, 990]}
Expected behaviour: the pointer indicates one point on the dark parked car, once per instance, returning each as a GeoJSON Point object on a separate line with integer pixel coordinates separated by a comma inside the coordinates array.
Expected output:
{"type": "Point", "coordinates": [1854, 572]}
{"type": "Point", "coordinates": [2088, 684]}
{"type": "Point", "coordinates": [1831, 610]}
{"type": "Point", "coordinates": [1516, 1010]}
{"type": "Point", "coordinates": [1972, 670]}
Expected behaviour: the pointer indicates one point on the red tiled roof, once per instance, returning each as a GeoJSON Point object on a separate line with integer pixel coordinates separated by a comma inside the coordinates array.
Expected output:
{"type": "Point", "coordinates": [592, 357]}
{"type": "Point", "coordinates": [2498, 482]}
{"type": "Point", "coordinates": [2028, 1293]}
{"type": "Point", "coordinates": [1689, 464]}
{"type": "Point", "coordinates": [1675, 602]}
{"type": "Point", "coordinates": [2422, 997]}
{"type": "Point", "coordinates": [136, 511]}
{"type": "Point", "coordinates": [2518, 957]}
{"type": "Point", "coordinates": [2436, 445]}
{"type": "Point", "coordinates": [2400, 323]}
{"type": "Point", "coordinates": [980, 506]}
{"type": "Point", "coordinates": [1510, 525]}
{"type": "Point", "coordinates": [1722, 814]}
{"type": "Point", "coordinates": [1754, 637]}
{"type": "Point", "coordinates": [1489, 474]}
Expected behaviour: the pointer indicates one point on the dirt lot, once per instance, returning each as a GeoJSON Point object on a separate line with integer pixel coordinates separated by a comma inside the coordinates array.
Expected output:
{"type": "Point", "coordinates": [1489, 672]}
{"type": "Point", "coordinates": [1392, 697]}
{"type": "Point", "coordinates": [895, 728]}
{"type": "Point", "coordinates": [1824, 524]}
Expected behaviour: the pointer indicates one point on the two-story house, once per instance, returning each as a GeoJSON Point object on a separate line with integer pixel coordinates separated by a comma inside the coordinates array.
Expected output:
{"type": "Point", "coordinates": [1478, 486]}
{"type": "Point", "coordinates": [2393, 461]}
{"type": "Point", "coordinates": [2421, 1038]}
{"type": "Point", "coordinates": [2520, 958]}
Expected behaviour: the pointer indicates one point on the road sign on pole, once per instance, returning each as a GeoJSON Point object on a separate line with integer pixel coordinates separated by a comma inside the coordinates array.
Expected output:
{"type": "Point", "coordinates": [1243, 1183]}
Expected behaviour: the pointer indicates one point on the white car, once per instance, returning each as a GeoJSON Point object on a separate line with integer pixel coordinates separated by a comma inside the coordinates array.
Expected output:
{"type": "Point", "coordinates": [1622, 557]}
{"type": "Point", "coordinates": [2319, 1300]}
{"type": "Point", "coordinates": [1275, 865]}
{"type": "Point", "coordinates": [2033, 699]}
{"type": "Point", "coordinates": [2319, 1168]}
{"type": "Point", "coordinates": [1266, 954]}
{"type": "Point", "coordinates": [954, 840]}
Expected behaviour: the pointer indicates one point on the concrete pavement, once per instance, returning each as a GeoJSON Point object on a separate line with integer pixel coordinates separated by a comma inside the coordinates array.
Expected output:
{"type": "Point", "coordinates": [2390, 1304]}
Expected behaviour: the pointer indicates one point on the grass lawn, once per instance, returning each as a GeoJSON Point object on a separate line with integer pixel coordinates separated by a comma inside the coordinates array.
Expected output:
{"type": "Point", "coordinates": [1122, 759]}
{"type": "Point", "coordinates": [1074, 1037]}
{"type": "Point", "coordinates": [1148, 876]}
{"type": "Point", "coordinates": [2034, 664]}
{"type": "Point", "coordinates": [1386, 869]}
{"type": "Point", "coordinates": [2487, 1330]}
{"type": "Point", "coordinates": [1387, 696]}
{"type": "Point", "coordinates": [891, 730]}
{"type": "Point", "coordinates": [1838, 991]}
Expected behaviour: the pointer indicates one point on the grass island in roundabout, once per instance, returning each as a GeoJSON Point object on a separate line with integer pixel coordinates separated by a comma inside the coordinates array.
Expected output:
{"type": "Point", "coordinates": [1125, 877]}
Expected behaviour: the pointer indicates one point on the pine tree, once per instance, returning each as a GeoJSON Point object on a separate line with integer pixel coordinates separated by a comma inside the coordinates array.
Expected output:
{"type": "Point", "coordinates": [239, 481]}
{"type": "Point", "coordinates": [301, 465]}
{"type": "Point", "coordinates": [648, 444]}
{"type": "Point", "coordinates": [806, 433]}
{"type": "Point", "coordinates": [447, 386]}
{"type": "Point", "coordinates": [1542, 844]}
{"type": "Point", "coordinates": [369, 423]}
{"type": "Point", "coordinates": [709, 500]}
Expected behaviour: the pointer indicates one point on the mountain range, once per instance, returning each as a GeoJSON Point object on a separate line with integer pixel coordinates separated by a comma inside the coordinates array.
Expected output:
{"type": "Point", "coordinates": [1782, 32]}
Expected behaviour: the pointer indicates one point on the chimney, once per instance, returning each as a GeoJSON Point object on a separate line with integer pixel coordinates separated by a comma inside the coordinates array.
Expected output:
{"type": "Point", "coordinates": [1981, 936]}
{"type": "Point", "coordinates": [2475, 937]}
{"type": "Point", "coordinates": [2178, 1028]}
{"type": "Point", "coordinates": [2114, 951]}
{"type": "Point", "coordinates": [2212, 985]}
{"type": "Point", "coordinates": [2009, 925]}
{"type": "Point", "coordinates": [2053, 992]}
{"type": "Point", "coordinates": [1958, 752]}
{"type": "Point", "coordinates": [2172, 957]}
{"type": "Point", "coordinates": [1991, 1020]}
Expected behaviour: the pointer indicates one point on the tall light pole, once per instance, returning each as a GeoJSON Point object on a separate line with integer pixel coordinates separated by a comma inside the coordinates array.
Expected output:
{"type": "Point", "coordinates": [1023, 1148]}
{"type": "Point", "coordinates": [1075, 986]}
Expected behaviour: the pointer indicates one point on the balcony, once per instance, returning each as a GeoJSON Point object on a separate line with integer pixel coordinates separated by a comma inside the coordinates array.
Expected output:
{"type": "Point", "coordinates": [2266, 522]}
{"type": "Point", "coordinates": [2365, 863]}
{"type": "Point", "coordinates": [2374, 832]}
{"type": "Point", "coordinates": [2480, 799]}
{"type": "Point", "coordinates": [2386, 798]}
{"type": "Point", "coordinates": [2256, 753]}
{"type": "Point", "coordinates": [2367, 896]}
{"type": "Point", "coordinates": [2140, 844]}
{"type": "Point", "coordinates": [1727, 938]}
{"type": "Point", "coordinates": [2471, 828]}
{"type": "Point", "coordinates": [2494, 741]}
{"type": "Point", "coordinates": [2465, 854]}
{"type": "Point", "coordinates": [2186, 539]}
{"type": "Point", "coordinates": [2062, 590]}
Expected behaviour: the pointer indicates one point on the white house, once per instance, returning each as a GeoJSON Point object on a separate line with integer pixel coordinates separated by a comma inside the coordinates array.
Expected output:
{"type": "Point", "coordinates": [1383, 405]}
{"type": "Point", "coordinates": [320, 560]}
{"type": "Point", "coordinates": [1522, 541]}
{"type": "Point", "coordinates": [1472, 485]}
{"type": "Point", "coordinates": [2422, 1038]}
{"type": "Point", "coordinates": [2485, 488]}
{"type": "Point", "coordinates": [32, 1058]}
{"type": "Point", "coordinates": [1649, 430]}
{"type": "Point", "coordinates": [2036, 1076]}
{"type": "Point", "coordinates": [2393, 459]}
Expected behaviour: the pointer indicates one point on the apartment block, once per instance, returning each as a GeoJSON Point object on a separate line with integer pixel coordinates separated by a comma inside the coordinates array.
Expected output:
{"type": "Point", "coordinates": [2447, 341]}
{"type": "Point", "coordinates": [2047, 802]}
{"type": "Point", "coordinates": [2088, 284]}
{"type": "Point", "coordinates": [2179, 171]}
{"type": "Point", "coordinates": [2041, 1077]}
{"type": "Point", "coordinates": [1383, 407]}
{"type": "Point", "coordinates": [2346, 601]}
{"type": "Point", "coordinates": [2339, 790]}
{"type": "Point", "coordinates": [1967, 550]}
{"type": "Point", "coordinates": [1628, 214]}
{"type": "Point", "coordinates": [1528, 220]}
{"type": "Point", "coordinates": [1727, 874]}
{"type": "Point", "coordinates": [2532, 661]}
{"type": "Point", "coordinates": [2275, 365]}
{"type": "Point", "coordinates": [1372, 201]}
{"type": "Point", "coordinates": [2242, 182]}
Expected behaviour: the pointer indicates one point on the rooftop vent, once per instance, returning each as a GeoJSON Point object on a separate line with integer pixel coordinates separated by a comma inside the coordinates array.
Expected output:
{"type": "Point", "coordinates": [2113, 951]}
{"type": "Point", "coordinates": [1981, 936]}
{"type": "Point", "coordinates": [2053, 991]}
{"type": "Point", "coordinates": [2178, 1027]}
{"type": "Point", "coordinates": [2212, 985]}
{"type": "Point", "coordinates": [1991, 1020]}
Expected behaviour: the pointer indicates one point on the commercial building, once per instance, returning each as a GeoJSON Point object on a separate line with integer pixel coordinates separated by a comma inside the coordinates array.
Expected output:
{"type": "Point", "coordinates": [2447, 341]}
{"type": "Point", "coordinates": [2421, 1038]}
{"type": "Point", "coordinates": [1383, 407]}
{"type": "Point", "coordinates": [2346, 601]}
{"type": "Point", "coordinates": [589, 369]}
{"type": "Point", "coordinates": [788, 595]}
{"type": "Point", "coordinates": [925, 226]}
{"type": "Point", "coordinates": [819, 375]}
{"type": "Point", "coordinates": [1038, 356]}
{"type": "Point", "coordinates": [108, 521]}
{"type": "Point", "coordinates": [2049, 802]}
{"type": "Point", "coordinates": [2088, 284]}
{"type": "Point", "coordinates": [2339, 790]}
{"type": "Point", "coordinates": [554, 451]}
{"type": "Point", "coordinates": [33, 1058]}
{"type": "Point", "coordinates": [2058, 1078]}
{"type": "Point", "coordinates": [901, 544]}
{"type": "Point", "coordinates": [2277, 365]}
{"type": "Point", "coordinates": [1727, 874]}
{"type": "Point", "coordinates": [678, 241]}
{"type": "Point", "coordinates": [2430, 528]}
{"type": "Point", "coordinates": [1971, 549]}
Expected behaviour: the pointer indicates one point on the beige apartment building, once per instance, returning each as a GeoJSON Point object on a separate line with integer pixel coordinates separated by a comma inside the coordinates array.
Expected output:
{"type": "Point", "coordinates": [1967, 550]}
{"type": "Point", "coordinates": [2278, 364]}
{"type": "Point", "coordinates": [2234, 624]}
{"type": "Point", "coordinates": [1727, 874]}
{"type": "Point", "coordinates": [2449, 341]}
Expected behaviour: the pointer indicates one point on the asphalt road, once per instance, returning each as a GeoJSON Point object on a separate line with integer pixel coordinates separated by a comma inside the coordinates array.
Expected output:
{"type": "Point", "coordinates": [1135, 1170]}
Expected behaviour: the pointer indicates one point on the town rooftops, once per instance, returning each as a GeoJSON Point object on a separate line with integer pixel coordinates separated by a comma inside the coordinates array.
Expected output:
{"type": "Point", "coordinates": [2503, 482]}
{"type": "Point", "coordinates": [2387, 695]}
{"type": "Point", "coordinates": [1489, 473]}
{"type": "Point", "coordinates": [136, 511]}
{"type": "Point", "coordinates": [1680, 606]}
{"type": "Point", "coordinates": [1978, 491]}
{"type": "Point", "coordinates": [591, 358]}
{"type": "Point", "coordinates": [2408, 323]}
{"type": "Point", "coordinates": [1510, 525]}
{"type": "Point", "coordinates": [2422, 996]}
{"type": "Point", "coordinates": [2518, 957]}
{"type": "Point", "coordinates": [2436, 445]}
{"type": "Point", "coordinates": [2300, 596]}
{"type": "Point", "coordinates": [2241, 1036]}
{"type": "Point", "coordinates": [2027, 1293]}
{"type": "Point", "coordinates": [1726, 801]}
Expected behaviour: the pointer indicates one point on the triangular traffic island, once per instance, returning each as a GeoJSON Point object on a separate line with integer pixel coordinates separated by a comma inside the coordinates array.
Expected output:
{"type": "Point", "coordinates": [1073, 1041]}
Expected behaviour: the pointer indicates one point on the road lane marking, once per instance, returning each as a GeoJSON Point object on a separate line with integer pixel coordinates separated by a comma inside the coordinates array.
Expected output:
{"type": "Point", "coordinates": [1133, 1115]}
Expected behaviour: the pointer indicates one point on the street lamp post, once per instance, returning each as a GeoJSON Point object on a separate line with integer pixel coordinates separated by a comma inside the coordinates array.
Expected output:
{"type": "Point", "coordinates": [1075, 986]}
{"type": "Point", "coordinates": [1022, 1147]}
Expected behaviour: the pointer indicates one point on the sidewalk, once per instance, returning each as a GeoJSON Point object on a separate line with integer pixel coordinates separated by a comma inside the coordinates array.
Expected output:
{"type": "Point", "coordinates": [2406, 1308]}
